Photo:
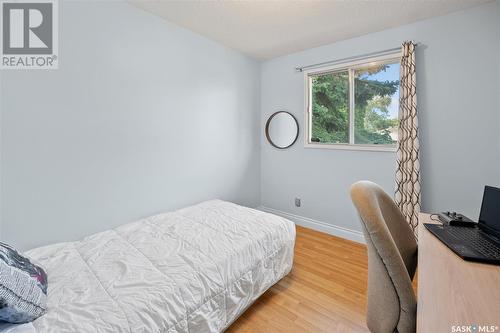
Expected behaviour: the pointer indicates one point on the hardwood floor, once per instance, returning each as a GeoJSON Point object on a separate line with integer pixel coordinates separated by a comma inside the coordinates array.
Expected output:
{"type": "Point", "coordinates": [325, 292]}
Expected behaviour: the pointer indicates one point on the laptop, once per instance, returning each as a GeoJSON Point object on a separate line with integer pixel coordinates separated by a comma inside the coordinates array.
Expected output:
{"type": "Point", "coordinates": [480, 243]}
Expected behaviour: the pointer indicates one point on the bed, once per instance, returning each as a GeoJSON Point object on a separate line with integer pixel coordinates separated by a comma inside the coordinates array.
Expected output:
{"type": "Point", "coordinates": [193, 270]}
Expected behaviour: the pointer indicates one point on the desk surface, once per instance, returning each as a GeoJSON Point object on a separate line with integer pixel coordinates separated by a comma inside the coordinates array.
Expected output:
{"type": "Point", "coordinates": [454, 292]}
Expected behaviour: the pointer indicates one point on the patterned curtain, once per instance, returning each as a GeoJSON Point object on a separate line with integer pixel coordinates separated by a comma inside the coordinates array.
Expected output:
{"type": "Point", "coordinates": [407, 195]}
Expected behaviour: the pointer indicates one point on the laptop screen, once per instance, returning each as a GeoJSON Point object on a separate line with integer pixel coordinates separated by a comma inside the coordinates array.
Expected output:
{"type": "Point", "coordinates": [490, 209]}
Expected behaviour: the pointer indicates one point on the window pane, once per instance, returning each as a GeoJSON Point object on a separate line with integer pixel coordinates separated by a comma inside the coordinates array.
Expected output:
{"type": "Point", "coordinates": [330, 108]}
{"type": "Point", "coordinates": [376, 104]}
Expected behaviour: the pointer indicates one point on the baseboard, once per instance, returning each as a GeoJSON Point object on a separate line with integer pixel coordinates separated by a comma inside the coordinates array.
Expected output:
{"type": "Point", "coordinates": [334, 230]}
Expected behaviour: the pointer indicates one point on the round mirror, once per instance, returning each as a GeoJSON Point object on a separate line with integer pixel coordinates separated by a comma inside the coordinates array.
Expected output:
{"type": "Point", "coordinates": [282, 129]}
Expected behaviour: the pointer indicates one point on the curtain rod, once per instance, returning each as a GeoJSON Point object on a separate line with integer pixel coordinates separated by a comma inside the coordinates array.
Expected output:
{"type": "Point", "coordinates": [344, 60]}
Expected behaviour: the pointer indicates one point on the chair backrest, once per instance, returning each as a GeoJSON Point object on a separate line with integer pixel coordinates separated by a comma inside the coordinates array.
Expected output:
{"type": "Point", "coordinates": [392, 260]}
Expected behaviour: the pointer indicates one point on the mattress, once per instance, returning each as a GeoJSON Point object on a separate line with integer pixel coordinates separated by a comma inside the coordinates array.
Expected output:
{"type": "Point", "coordinates": [193, 270]}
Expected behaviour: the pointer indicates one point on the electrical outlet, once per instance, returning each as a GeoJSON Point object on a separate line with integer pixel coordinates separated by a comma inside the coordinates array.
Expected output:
{"type": "Point", "coordinates": [297, 202]}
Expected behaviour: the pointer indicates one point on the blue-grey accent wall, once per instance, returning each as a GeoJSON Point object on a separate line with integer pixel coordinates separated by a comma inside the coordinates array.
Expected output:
{"type": "Point", "coordinates": [457, 82]}
{"type": "Point", "coordinates": [144, 117]}
{"type": "Point", "coordinates": [141, 117]}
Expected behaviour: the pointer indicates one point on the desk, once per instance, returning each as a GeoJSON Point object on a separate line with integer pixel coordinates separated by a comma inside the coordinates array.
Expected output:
{"type": "Point", "coordinates": [452, 291]}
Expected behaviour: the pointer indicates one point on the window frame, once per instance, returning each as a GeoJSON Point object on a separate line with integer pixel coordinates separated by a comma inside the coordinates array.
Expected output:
{"type": "Point", "coordinates": [349, 66]}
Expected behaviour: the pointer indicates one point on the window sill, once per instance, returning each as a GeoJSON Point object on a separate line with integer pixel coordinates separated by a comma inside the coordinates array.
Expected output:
{"type": "Point", "coordinates": [378, 148]}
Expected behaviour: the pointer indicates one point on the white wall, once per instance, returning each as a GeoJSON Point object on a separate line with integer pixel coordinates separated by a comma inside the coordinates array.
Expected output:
{"type": "Point", "coordinates": [141, 117]}
{"type": "Point", "coordinates": [457, 82]}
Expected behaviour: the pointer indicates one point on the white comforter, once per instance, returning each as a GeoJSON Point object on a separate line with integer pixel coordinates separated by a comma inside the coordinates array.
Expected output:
{"type": "Point", "coordinates": [193, 270]}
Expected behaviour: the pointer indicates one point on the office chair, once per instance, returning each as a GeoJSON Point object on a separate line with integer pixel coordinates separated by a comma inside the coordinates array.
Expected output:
{"type": "Point", "coordinates": [392, 260]}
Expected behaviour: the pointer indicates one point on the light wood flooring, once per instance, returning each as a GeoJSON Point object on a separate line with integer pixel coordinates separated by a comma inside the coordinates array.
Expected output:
{"type": "Point", "coordinates": [325, 292]}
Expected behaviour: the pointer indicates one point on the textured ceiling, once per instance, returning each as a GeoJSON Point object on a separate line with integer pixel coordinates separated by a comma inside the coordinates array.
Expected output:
{"type": "Point", "coordinates": [267, 29]}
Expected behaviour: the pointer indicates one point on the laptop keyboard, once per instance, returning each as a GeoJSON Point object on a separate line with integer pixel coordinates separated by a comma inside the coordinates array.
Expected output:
{"type": "Point", "coordinates": [476, 241]}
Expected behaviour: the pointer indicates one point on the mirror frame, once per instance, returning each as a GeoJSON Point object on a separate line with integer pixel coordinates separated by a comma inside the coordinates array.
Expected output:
{"type": "Point", "coordinates": [268, 137]}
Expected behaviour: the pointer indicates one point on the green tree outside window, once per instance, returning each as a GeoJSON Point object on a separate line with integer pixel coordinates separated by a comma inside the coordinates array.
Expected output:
{"type": "Point", "coordinates": [375, 105]}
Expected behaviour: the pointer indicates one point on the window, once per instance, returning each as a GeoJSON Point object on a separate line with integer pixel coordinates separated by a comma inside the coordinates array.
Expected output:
{"type": "Point", "coordinates": [354, 106]}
